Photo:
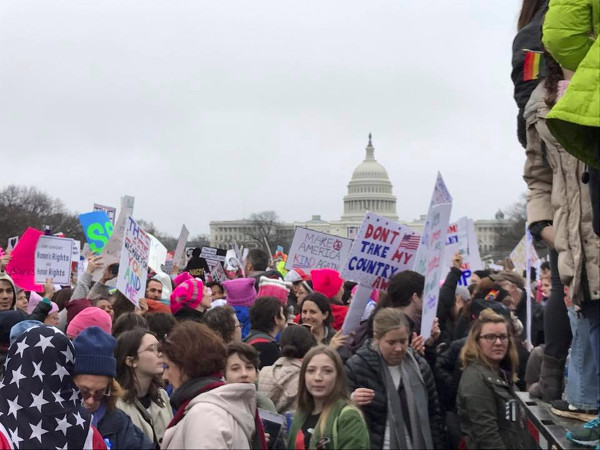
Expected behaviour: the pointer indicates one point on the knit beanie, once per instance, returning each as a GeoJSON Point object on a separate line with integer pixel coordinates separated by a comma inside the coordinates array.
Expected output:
{"type": "Point", "coordinates": [268, 287]}
{"type": "Point", "coordinates": [89, 317]}
{"type": "Point", "coordinates": [74, 307]}
{"type": "Point", "coordinates": [34, 299]}
{"type": "Point", "coordinates": [240, 291]}
{"type": "Point", "coordinates": [326, 281]}
{"type": "Point", "coordinates": [189, 293]}
{"type": "Point", "coordinates": [20, 328]}
{"type": "Point", "coordinates": [296, 275]}
{"type": "Point", "coordinates": [94, 350]}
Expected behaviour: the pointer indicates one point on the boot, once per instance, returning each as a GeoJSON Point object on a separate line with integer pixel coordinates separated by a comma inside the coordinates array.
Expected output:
{"type": "Point", "coordinates": [551, 378]}
{"type": "Point", "coordinates": [535, 390]}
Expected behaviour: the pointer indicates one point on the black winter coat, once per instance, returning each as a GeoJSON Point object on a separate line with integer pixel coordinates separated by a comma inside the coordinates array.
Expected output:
{"type": "Point", "coordinates": [447, 374]}
{"type": "Point", "coordinates": [117, 427]}
{"type": "Point", "coordinates": [446, 302]}
{"type": "Point", "coordinates": [363, 370]}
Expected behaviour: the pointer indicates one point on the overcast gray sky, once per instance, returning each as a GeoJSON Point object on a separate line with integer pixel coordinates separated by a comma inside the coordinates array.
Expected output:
{"type": "Point", "coordinates": [214, 110]}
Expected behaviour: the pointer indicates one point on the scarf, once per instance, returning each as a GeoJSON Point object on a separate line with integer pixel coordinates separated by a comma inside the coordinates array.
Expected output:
{"type": "Point", "coordinates": [40, 406]}
{"type": "Point", "coordinates": [415, 403]}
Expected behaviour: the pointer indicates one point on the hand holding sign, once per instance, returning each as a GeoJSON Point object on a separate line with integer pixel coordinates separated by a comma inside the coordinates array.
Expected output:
{"type": "Point", "coordinates": [4, 260]}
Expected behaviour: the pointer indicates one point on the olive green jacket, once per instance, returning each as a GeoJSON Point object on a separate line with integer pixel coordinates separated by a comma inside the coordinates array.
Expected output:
{"type": "Point", "coordinates": [570, 34]}
{"type": "Point", "coordinates": [483, 399]}
{"type": "Point", "coordinates": [345, 429]}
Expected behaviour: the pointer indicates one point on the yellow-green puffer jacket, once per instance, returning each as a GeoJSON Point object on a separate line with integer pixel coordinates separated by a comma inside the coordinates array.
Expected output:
{"type": "Point", "coordinates": [570, 34]}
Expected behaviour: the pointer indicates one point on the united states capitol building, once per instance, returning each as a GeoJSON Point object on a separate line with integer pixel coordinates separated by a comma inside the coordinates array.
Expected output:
{"type": "Point", "coordinates": [369, 189]}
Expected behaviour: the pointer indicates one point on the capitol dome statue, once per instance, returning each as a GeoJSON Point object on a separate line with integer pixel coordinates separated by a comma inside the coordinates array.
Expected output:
{"type": "Point", "coordinates": [369, 189]}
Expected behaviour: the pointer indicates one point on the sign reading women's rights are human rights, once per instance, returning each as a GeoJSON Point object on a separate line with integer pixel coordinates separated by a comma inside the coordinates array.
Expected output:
{"type": "Point", "coordinates": [382, 248]}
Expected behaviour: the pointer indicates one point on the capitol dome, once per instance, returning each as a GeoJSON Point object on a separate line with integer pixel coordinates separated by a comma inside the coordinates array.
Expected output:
{"type": "Point", "coordinates": [369, 189]}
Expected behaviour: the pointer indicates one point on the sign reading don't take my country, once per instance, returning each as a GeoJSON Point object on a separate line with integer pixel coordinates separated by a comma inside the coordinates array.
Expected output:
{"type": "Point", "coordinates": [381, 249]}
{"type": "Point", "coordinates": [315, 250]}
{"type": "Point", "coordinates": [53, 259]}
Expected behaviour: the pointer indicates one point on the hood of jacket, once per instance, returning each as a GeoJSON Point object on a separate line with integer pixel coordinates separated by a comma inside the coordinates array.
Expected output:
{"type": "Point", "coordinates": [536, 106]}
{"type": "Point", "coordinates": [282, 371]}
{"type": "Point", "coordinates": [238, 399]}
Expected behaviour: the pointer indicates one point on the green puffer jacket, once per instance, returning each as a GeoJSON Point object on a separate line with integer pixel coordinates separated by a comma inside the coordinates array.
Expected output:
{"type": "Point", "coordinates": [483, 399]}
{"type": "Point", "coordinates": [570, 34]}
{"type": "Point", "coordinates": [345, 429]}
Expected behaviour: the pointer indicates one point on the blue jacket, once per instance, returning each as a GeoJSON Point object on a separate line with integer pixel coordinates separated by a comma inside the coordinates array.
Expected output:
{"type": "Point", "coordinates": [243, 316]}
{"type": "Point", "coordinates": [116, 427]}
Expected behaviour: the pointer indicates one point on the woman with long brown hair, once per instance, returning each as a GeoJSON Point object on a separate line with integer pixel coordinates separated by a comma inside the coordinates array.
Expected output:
{"type": "Point", "coordinates": [486, 401]}
{"type": "Point", "coordinates": [326, 417]}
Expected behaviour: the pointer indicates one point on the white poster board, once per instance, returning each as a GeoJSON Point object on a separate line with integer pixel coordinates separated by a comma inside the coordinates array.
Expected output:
{"type": "Point", "coordinates": [435, 245]}
{"type": "Point", "coordinates": [158, 253]}
{"type": "Point", "coordinates": [315, 250]}
{"type": "Point", "coordinates": [381, 249]}
{"type": "Point", "coordinates": [109, 210]}
{"type": "Point", "coordinates": [111, 253]}
{"type": "Point", "coordinates": [12, 243]}
{"type": "Point", "coordinates": [53, 260]}
{"type": "Point", "coordinates": [133, 266]}
{"type": "Point", "coordinates": [180, 248]}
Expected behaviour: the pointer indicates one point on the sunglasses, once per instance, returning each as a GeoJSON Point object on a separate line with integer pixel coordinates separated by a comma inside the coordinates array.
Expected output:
{"type": "Point", "coordinates": [95, 395]}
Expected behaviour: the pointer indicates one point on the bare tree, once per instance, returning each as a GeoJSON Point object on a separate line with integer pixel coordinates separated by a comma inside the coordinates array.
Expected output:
{"type": "Point", "coordinates": [262, 230]}
{"type": "Point", "coordinates": [22, 207]}
{"type": "Point", "coordinates": [509, 238]}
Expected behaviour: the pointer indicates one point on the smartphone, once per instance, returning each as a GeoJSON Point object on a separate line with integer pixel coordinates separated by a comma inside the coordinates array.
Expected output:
{"type": "Point", "coordinates": [272, 423]}
{"type": "Point", "coordinates": [114, 268]}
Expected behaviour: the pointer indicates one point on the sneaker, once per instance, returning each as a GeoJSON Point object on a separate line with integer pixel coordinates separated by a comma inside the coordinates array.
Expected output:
{"type": "Point", "coordinates": [565, 409]}
{"type": "Point", "coordinates": [588, 436]}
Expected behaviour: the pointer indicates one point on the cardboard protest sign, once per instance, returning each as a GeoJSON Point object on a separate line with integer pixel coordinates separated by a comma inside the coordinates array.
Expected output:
{"type": "Point", "coordinates": [12, 243]}
{"type": "Point", "coordinates": [109, 210]}
{"type": "Point", "coordinates": [356, 310]}
{"type": "Point", "coordinates": [213, 254]}
{"type": "Point", "coordinates": [381, 249]}
{"type": "Point", "coordinates": [521, 255]}
{"type": "Point", "coordinates": [133, 266]}
{"type": "Point", "coordinates": [440, 196]}
{"type": "Point", "coordinates": [158, 253]}
{"type": "Point", "coordinates": [53, 260]}
{"type": "Point", "coordinates": [217, 273]}
{"type": "Point", "coordinates": [179, 249]}
{"type": "Point", "coordinates": [97, 228]}
{"type": "Point", "coordinates": [111, 253]}
{"type": "Point", "coordinates": [435, 245]}
{"type": "Point", "coordinates": [315, 250]}
{"type": "Point", "coordinates": [21, 267]}
{"type": "Point", "coordinates": [458, 239]}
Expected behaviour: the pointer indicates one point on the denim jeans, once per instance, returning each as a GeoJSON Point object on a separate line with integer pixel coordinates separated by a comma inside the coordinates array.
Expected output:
{"type": "Point", "coordinates": [582, 381]}
{"type": "Point", "coordinates": [591, 311]}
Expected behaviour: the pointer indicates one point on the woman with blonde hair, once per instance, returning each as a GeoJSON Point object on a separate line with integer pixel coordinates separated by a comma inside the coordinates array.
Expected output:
{"type": "Point", "coordinates": [395, 387]}
{"type": "Point", "coordinates": [325, 417]}
{"type": "Point", "coordinates": [486, 402]}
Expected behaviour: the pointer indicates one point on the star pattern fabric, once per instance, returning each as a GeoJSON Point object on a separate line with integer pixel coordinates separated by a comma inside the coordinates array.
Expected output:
{"type": "Point", "coordinates": [40, 406]}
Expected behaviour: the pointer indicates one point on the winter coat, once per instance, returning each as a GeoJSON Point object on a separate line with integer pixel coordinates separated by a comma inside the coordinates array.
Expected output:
{"type": "Point", "coordinates": [266, 345]}
{"type": "Point", "coordinates": [338, 313]}
{"type": "Point", "coordinates": [218, 419]}
{"type": "Point", "coordinates": [482, 402]}
{"type": "Point", "coordinates": [575, 119]}
{"type": "Point", "coordinates": [345, 429]}
{"type": "Point", "coordinates": [243, 315]}
{"type": "Point", "coordinates": [446, 302]}
{"type": "Point", "coordinates": [280, 383]}
{"type": "Point", "coordinates": [117, 427]}
{"type": "Point", "coordinates": [557, 194]}
{"type": "Point", "coordinates": [154, 421]}
{"type": "Point", "coordinates": [529, 37]}
{"type": "Point", "coordinates": [363, 370]}
{"type": "Point", "coordinates": [447, 374]}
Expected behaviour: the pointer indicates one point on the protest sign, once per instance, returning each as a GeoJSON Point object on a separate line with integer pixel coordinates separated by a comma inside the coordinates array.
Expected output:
{"type": "Point", "coordinates": [133, 266]}
{"type": "Point", "coordinates": [76, 258]}
{"type": "Point", "coordinates": [356, 310]}
{"type": "Point", "coordinates": [12, 243]}
{"type": "Point", "coordinates": [179, 249]}
{"type": "Point", "coordinates": [217, 273]}
{"type": "Point", "coordinates": [440, 196]}
{"type": "Point", "coordinates": [315, 250]}
{"type": "Point", "coordinates": [21, 267]}
{"type": "Point", "coordinates": [109, 210]}
{"type": "Point", "coordinates": [111, 253]}
{"type": "Point", "coordinates": [440, 216]}
{"type": "Point", "coordinates": [458, 239]}
{"type": "Point", "coordinates": [158, 253]}
{"type": "Point", "coordinates": [381, 249]}
{"type": "Point", "coordinates": [53, 260]}
{"type": "Point", "coordinates": [213, 254]}
{"type": "Point", "coordinates": [97, 228]}
{"type": "Point", "coordinates": [521, 255]}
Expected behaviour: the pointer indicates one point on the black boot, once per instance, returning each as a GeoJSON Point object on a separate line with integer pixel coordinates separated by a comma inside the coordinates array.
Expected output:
{"type": "Point", "coordinates": [552, 378]}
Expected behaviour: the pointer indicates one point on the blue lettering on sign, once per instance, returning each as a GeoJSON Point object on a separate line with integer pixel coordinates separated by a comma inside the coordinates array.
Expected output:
{"type": "Point", "coordinates": [97, 228]}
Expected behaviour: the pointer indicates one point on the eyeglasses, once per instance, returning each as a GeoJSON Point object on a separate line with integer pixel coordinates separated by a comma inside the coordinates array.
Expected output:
{"type": "Point", "coordinates": [153, 348]}
{"type": "Point", "coordinates": [96, 395]}
{"type": "Point", "coordinates": [491, 338]}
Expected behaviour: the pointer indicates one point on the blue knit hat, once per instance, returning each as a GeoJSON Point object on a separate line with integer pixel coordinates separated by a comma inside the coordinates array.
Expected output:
{"type": "Point", "coordinates": [94, 353]}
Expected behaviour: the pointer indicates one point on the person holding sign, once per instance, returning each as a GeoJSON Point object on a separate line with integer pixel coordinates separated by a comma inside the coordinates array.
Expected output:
{"type": "Point", "coordinates": [317, 316]}
{"type": "Point", "coordinates": [395, 387]}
